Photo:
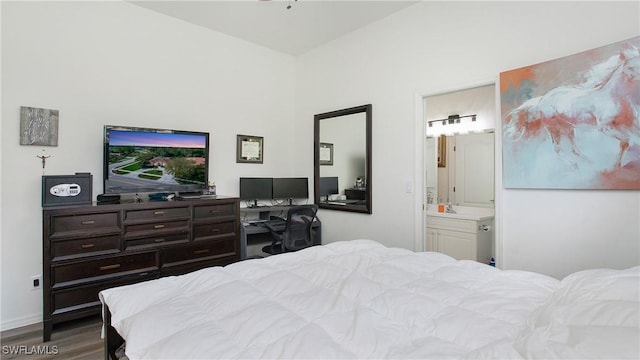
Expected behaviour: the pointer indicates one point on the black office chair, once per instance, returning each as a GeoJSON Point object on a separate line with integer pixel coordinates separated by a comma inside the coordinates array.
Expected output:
{"type": "Point", "coordinates": [298, 232]}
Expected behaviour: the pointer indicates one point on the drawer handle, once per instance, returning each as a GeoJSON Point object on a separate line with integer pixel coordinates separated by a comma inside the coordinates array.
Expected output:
{"type": "Point", "coordinates": [160, 226]}
{"type": "Point", "coordinates": [88, 222]}
{"type": "Point", "coordinates": [214, 211]}
{"type": "Point", "coordinates": [158, 213]}
{"type": "Point", "coordinates": [204, 251]}
{"type": "Point", "coordinates": [158, 240]}
{"type": "Point", "coordinates": [214, 230]}
{"type": "Point", "coordinates": [109, 267]}
{"type": "Point", "coordinates": [87, 246]}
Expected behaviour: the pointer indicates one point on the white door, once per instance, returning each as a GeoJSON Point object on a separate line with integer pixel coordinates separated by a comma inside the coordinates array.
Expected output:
{"type": "Point", "coordinates": [474, 170]}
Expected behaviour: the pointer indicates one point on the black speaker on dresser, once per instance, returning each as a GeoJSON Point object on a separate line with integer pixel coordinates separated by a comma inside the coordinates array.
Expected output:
{"type": "Point", "coordinates": [59, 190]}
{"type": "Point", "coordinates": [104, 199]}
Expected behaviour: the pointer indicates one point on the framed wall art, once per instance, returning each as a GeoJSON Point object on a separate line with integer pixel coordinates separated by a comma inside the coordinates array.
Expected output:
{"type": "Point", "coordinates": [38, 126]}
{"type": "Point", "coordinates": [249, 149]}
{"type": "Point", "coordinates": [326, 154]}
{"type": "Point", "coordinates": [572, 123]}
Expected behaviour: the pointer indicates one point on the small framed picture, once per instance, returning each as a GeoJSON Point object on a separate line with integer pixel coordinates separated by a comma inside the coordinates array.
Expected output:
{"type": "Point", "coordinates": [38, 126]}
{"type": "Point", "coordinates": [249, 149]}
{"type": "Point", "coordinates": [326, 154]}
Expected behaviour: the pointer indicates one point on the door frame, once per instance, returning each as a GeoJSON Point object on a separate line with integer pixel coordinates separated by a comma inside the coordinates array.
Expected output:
{"type": "Point", "coordinates": [420, 205]}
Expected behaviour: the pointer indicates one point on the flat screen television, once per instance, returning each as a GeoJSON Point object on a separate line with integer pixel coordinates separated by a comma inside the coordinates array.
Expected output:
{"type": "Point", "coordinates": [254, 189]}
{"type": "Point", "coordinates": [138, 160]}
{"type": "Point", "coordinates": [290, 188]}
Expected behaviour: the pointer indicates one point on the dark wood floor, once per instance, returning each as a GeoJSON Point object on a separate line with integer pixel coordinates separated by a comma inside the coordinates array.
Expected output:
{"type": "Point", "coordinates": [76, 340]}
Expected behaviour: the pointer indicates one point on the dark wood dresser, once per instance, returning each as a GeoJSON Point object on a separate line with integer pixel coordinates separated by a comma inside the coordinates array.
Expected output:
{"type": "Point", "coordinates": [90, 248]}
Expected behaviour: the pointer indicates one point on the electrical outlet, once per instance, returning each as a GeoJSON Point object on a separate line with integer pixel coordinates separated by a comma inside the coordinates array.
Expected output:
{"type": "Point", "coordinates": [36, 282]}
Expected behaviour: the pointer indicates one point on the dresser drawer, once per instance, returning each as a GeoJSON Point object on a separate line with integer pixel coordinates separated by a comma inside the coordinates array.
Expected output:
{"type": "Point", "coordinates": [82, 297]}
{"type": "Point", "coordinates": [213, 211]}
{"type": "Point", "coordinates": [66, 249]}
{"type": "Point", "coordinates": [153, 214]}
{"type": "Point", "coordinates": [156, 241]}
{"type": "Point", "coordinates": [197, 252]}
{"type": "Point", "coordinates": [84, 223]}
{"type": "Point", "coordinates": [165, 227]}
{"type": "Point", "coordinates": [214, 230]}
{"type": "Point", "coordinates": [100, 269]}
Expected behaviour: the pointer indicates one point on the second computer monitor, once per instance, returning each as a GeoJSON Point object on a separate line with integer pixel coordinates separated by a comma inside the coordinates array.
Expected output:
{"type": "Point", "coordinates": [328, 185]}
{"type": "Point", "coordinates": [290, 188]}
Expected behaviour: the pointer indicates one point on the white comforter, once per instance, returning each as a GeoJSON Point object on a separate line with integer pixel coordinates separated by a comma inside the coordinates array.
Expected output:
{"type": "Point", "coordinates": [354, 299]}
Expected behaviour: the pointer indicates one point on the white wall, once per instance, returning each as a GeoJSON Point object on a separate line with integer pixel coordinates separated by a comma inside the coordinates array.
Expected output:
{"type": "Point", "coordinates": [432, 47]}
{"type": "Point", "coordinates": [116, 63]}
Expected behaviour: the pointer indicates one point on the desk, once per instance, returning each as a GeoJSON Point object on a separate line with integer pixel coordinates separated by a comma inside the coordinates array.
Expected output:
{"type": "Point", "coordinates": [263, 212]}
{"type": "Point", "coordinates": [259, 233]}
{"type": "Point", "coordinates": [355, 193]}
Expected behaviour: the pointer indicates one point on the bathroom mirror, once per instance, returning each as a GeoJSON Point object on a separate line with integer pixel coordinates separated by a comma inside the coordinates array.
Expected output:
{"type": "Point", "coordinates": [467, 177]}
{"type": "Point", "coordinates": [342, 159]}
{"type": "Point", "coordinates": [460, 156]}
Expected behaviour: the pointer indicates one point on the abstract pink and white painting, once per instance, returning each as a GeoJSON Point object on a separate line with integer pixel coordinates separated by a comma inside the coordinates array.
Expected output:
{"type": "Point", "coordinates": [573, 122]}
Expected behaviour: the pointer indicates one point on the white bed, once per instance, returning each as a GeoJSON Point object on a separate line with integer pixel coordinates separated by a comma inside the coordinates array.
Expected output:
{"type": "Point", "coordinates": [359, 299]}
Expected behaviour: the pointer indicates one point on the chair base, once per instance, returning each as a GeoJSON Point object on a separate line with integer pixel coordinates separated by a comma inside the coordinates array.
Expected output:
{"type": "Point", "coordinates": [272, 250]}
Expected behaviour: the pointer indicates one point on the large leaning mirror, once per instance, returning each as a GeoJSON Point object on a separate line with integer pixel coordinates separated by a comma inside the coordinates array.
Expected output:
{"type": "Point", "coordinates": [342, 159]}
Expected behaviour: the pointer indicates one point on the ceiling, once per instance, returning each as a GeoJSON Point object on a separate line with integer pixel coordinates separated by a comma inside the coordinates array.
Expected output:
{"type": "Point", "coordinates": [306, 25]}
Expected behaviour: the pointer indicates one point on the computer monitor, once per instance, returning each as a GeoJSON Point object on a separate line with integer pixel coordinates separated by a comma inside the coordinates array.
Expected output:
{"type": "Point", "coordinates": [328, 185]}
{"type": "Point", "coordinates": [290, 188]}
{"type": "Point", "coordinates": [255, 189]}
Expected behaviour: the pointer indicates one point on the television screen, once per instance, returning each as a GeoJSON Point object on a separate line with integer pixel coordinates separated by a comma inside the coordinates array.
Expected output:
{"type": "Point", "coordinates": [256, 188]}
{"type": "Point", "coordinates": [328, 185]}
{"type": "Point", "coordinates": [154, 160]}
{"type": "Point", "coordinates": [290, 188]}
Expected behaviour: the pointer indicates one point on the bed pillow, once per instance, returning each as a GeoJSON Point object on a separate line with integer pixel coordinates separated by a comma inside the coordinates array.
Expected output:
{"type": "Point", "coordinates": [594, 314]}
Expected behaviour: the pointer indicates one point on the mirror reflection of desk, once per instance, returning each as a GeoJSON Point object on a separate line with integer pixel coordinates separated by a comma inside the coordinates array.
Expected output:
{"type": "Point", "coordinates": [254, 232]}
{"type": "Point", "coordinates": [355, 193]}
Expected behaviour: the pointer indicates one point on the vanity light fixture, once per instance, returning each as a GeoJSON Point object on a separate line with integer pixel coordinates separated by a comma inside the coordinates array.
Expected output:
{"type": "Point", "coordinates": [452, 119]}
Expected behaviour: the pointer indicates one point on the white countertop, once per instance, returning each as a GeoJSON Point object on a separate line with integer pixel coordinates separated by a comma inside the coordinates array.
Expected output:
{"type": "Point", "coordinates": [464, 213]}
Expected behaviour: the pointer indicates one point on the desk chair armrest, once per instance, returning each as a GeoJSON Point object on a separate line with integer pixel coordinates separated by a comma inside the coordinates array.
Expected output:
{"type": "Point", "coordinates": [271, 228]}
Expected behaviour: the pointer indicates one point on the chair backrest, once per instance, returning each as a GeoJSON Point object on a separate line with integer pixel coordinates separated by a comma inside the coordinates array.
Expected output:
{"type": "Point", "coordinates": [298, 232]}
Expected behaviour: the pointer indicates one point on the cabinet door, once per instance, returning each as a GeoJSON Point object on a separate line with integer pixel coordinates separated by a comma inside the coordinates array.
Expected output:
{"type": "Point", "coordinates": [431, 240]}
{"type": "Point", "coordinates": [458, 245]}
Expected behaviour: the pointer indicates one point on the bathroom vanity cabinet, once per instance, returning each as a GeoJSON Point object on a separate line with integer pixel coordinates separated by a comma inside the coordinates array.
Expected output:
{"type": "Point", "coordinates": [463, 237]}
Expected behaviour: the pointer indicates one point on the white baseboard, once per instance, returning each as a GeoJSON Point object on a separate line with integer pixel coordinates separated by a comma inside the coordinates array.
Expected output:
{"type": "Point", "coordinates": [20, 322]}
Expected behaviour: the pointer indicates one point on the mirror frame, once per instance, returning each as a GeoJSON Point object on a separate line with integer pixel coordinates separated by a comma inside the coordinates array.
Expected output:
{"type": "Point", "coordinates": [367, 109]}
